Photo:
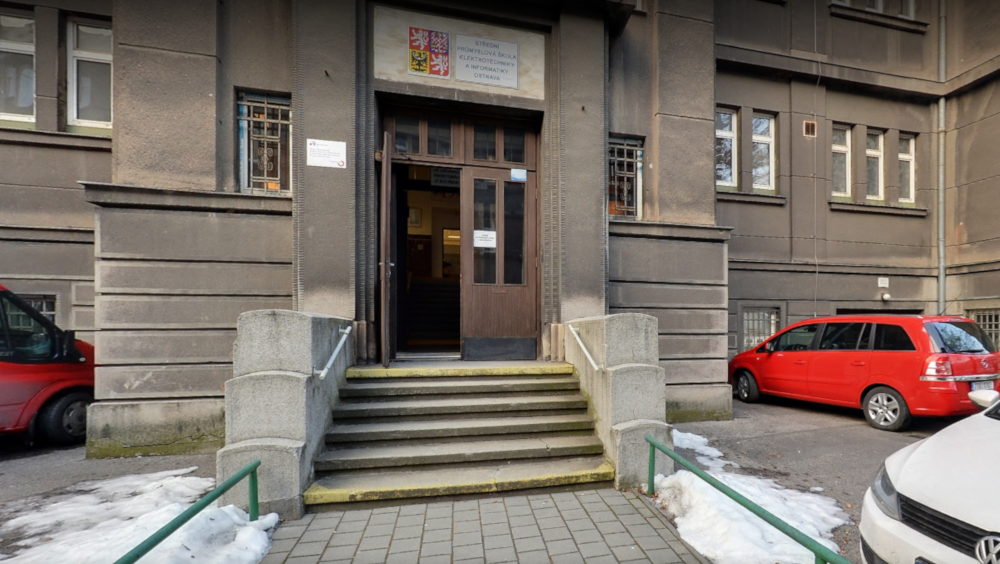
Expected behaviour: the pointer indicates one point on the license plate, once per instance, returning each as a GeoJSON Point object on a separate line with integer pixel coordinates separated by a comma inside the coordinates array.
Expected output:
{"type": "Point", "coordinates": [982, 385]}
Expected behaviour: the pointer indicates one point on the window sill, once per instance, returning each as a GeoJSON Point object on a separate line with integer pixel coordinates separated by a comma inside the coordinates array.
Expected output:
{"type": "Point", "coordinates": [872, 208]}
{"type": "Point", "coordinates": [10, 136]}
{"type": "Point", "coordinates": [751, 198]}
{"type": "Point", "coordinates": [876, 18]}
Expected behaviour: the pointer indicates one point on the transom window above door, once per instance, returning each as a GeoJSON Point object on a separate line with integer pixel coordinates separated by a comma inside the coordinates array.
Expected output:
{"type": "Point", "coordinates": [424, 136]}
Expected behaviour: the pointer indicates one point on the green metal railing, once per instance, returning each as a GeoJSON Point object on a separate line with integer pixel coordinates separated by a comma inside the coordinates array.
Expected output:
{"type": "Point", "coordinates": [159, 536]}
{"type": "Point", "coordinates": [823, 554]}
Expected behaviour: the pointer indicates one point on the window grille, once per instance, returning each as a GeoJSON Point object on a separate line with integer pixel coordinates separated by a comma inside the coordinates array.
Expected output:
{"type": "Point", "coordinates": [989, 321]}
{"type": "Point", "coordinates": [265, 143]}
{"type": "Point", "coordinates": [759, 323]}
{"type": "Point", "coordinates": [45, 305]}
{"type": "Point", "coordinates": [625, 177]}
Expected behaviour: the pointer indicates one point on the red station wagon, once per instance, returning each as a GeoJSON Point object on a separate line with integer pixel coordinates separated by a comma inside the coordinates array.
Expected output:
{"type": "Point", "coordinates": [46, 375]}
{"type": "Point", "coordinates": [893, 367]}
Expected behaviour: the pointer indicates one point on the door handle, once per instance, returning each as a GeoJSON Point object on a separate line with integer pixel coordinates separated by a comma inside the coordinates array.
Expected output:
{"type": "Point", "coordinates": [800, 362]}
{"type": "Point", "coordinates": [857, 363]}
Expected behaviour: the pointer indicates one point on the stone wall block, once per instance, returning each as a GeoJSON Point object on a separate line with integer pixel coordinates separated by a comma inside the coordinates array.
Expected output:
{"type": "Point", "coordinates": [699, 402]}
{"type": "Point", "coordinates": [130, 428]}
{"type": "Point", "coordinates": [631, 451]}
{"type": "Point", "coordinates": [282, 340]}
{"type": "Point", "coordinates": [636, 392]}
{"type": "Point", "coordinates": [283, 475]}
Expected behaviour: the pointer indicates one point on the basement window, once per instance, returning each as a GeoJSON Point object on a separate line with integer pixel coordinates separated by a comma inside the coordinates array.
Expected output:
{"type": "Point", "coordinates": [265, 141]}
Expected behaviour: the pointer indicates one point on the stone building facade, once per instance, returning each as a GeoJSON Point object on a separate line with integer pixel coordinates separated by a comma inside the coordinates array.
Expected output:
{"type": "Point", "coordinates": [728, 167]}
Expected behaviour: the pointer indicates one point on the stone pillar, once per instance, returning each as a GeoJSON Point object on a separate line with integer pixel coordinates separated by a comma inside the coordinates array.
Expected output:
{"type": "Point", "coordinates": [277, 408]}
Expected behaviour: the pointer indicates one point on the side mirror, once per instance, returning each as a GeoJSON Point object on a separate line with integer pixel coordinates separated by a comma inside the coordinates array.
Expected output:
{"type": "Point", "coordinates": [767, 347]}
{"type": "Point", "coordinates": [984, 399]}
{"type": "Point", "coordinates": [67, 347]}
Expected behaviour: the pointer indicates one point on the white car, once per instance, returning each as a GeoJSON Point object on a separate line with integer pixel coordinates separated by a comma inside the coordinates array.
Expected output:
{"type": "Point", "coordinates": [937, 501]}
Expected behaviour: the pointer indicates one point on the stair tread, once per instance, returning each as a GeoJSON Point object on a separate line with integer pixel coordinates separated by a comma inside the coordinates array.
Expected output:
{"type": "Point", "coordinates": [462, 368]}
{"type": "Point", "coordinates": [434, 383]}
{"type": "Point", "coordinates": [455, 427]}
{"type": "Point", "coordinates": [494, 476]}
{"type": "Point", "coordinates": [471, 447]}
{"type": "Point", "coordinates": [457, 402]}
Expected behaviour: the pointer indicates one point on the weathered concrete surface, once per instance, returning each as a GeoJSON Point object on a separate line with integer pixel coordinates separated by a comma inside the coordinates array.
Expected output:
{"type": "Point", "coordinates": [154, 427]}
{"type": "Point", "coordinates": [699, 402]}
{"type": "Point", "coordinates": [277, 408]}
{"type": "Point", "coordinates": [483, 478]}
{"type": "Point", "coordinates": [629, 441]}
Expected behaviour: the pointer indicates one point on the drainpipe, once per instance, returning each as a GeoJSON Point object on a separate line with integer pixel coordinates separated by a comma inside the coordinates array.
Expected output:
{"type": "Point", "coordinates": [942, 77]}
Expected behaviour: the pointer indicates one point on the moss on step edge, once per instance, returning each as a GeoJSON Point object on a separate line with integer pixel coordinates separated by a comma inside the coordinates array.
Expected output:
{"type": "Point", "coordinates": [317, 494]}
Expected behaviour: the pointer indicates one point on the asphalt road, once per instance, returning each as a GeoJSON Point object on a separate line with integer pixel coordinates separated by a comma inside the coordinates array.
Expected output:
{"type": "Point", "coordinates": [802, 445]}
{"type": "Point", "coordinates": [38, 470]}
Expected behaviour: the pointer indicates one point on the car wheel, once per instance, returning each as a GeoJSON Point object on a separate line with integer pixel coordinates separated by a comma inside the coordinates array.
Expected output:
{"type": "Point", "coordinates": [746, 388]}
{"type": "Point", "coordinates": [886, 409]}
{"type": "Point", "coordinates": [64, 419]}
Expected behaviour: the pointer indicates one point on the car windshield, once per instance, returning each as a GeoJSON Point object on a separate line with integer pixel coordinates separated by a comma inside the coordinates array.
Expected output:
{"type": "Point", "coordinates": [960, 337]}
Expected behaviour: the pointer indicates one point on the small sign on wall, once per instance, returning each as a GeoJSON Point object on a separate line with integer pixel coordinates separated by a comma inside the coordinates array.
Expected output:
{"type": "Point", "coordinates": [330, 154]}
{"type": "Point", "coordinates": [484, 239]}
{"type": "Point", "coordinates": [883, 282]}
{"type": "Point", "coordinates": [444, 177]}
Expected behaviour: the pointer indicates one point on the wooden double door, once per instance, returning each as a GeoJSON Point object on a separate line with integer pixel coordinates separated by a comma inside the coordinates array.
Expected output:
{"type": "Point", "coordinates": [493, 163]}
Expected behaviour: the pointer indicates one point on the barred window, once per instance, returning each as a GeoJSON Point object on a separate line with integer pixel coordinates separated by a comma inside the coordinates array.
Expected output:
{"type": "Point", "coordinates": [265, 132]}
{"type": "Point", "coordinates": [45, 305]}
{"type": "Point", "coordinates": [625, 177]}
{"type": "Point", "coordinates": [759, 323]}
{"type": "Point", "coordinates": [989, 321]}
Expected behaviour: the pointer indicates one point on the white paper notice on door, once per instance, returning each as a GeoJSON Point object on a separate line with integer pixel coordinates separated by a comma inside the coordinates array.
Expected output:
{"type": "Point", "coordinates": [330, 154]}
{"type": "Point", "coordinates": [487, 239]}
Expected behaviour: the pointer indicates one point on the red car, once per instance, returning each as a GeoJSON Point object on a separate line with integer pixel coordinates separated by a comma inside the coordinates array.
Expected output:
{"type": "Point", "coordinates": [893, 367]}
{"type": "Point", "coordinates": [46, 375]}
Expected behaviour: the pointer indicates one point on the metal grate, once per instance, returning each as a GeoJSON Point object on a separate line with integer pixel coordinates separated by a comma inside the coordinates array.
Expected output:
{"type": "Point", "coordinates": [940, 527]}
{"type": "Point", "coordinates": [759, 323]}
{"type": "Point", "coordinates": [989, 321]}
{"type": "Point", "coordinates": [624, 177]}
{"type": "Point", "coordinates": [265, 143]}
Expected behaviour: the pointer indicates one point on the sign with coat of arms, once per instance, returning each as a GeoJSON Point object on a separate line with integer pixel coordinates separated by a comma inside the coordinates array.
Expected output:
{"type": "Point", "coordinates": [429, 53]}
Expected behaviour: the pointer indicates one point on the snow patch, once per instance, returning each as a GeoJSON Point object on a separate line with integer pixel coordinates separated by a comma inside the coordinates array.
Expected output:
{"type": "Point", "coordinates": [727, 533]}
{"type": "Point", "coordinates": [98, 522]}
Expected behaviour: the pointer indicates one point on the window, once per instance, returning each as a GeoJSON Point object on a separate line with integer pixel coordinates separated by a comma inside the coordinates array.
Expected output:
{"type": "Point", "coordinates": [763, 152]}
{"type": "Point", "coordinates": [45, 305]}
{"type": "Point", "coordinates": [265, 143]}
{"type": "Point", "coordinates": [625, 177]}
{"type": "Point", "coordinates": [841, 146]}
{"type": "Point", "coordinates": [841, 337]}
{"type": "Point", "coordinates": [873, 5]}
{"type": "Point", "coordinates": [29, 339]}
{"type": "Point", "coordinates": [960, 337]}
{"type": "Point", "coordinates": [989, 321]}
{"type": "Point", "coordinates": [906, 188]}
{"type": "Point", "coordinates": [17, 68]}
{"type": "Point", "coordinates": [798, 339]}
{"type": "Point", "coordinates": [725, 148]}
{"type": "Point", "coordinates": [892, 338]}
{"type": "Point", "coordinates": [873, 152]}
{"type": "Point", "coordinates": [89, 79]}
{"type": "Point", "coordinates": [759, 323]}
{"type": "Point", "coordinates": [906, 9]}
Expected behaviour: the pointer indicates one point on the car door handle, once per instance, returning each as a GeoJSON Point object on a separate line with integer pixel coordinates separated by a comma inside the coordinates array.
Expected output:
{"type": "Point", "coordinates": [857, 363]}
{"type": "Point", "coordinates": [800, 362]}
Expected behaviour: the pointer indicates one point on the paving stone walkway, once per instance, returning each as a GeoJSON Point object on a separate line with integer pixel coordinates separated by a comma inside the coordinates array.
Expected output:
{"type": "Point", "coordinates": [592, 526]}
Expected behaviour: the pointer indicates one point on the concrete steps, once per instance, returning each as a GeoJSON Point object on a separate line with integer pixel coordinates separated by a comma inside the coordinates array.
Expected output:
{"type": "Point", "coordinates": [452, 428]}
{"type": "Point", "coordinates": [490, 477]}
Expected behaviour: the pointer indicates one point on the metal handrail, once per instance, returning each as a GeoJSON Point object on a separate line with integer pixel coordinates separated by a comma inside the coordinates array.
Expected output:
{"type": "Point", "coordinates": [165, 531]}
{"type": "Point", "coordinates": [823, 554]}
{"type": "Point", "coordinates": [329, 364]}
{"type": "Point", "coordinates": [586, 353]}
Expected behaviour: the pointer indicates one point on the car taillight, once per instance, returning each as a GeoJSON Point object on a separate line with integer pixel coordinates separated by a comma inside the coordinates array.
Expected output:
{"type": "Point", "coordinates": [938, 365]}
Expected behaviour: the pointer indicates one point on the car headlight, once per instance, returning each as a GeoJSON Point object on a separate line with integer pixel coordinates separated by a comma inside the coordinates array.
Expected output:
{"type": "Point", "coordinates": [885, 494]}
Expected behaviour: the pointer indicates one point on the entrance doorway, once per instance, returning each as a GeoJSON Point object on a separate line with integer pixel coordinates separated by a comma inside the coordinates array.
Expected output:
{"type": "Point", "coordinates": [459, 251]}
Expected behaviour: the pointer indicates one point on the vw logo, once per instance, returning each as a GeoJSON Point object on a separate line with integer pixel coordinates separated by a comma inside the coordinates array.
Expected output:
{"type": "Point", "coordinates": [988, 550]}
